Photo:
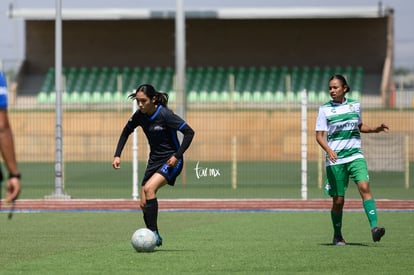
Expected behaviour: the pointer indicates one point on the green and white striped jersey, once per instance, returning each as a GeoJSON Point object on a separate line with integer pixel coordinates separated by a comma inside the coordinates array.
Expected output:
{"type": "Point", "coordinates": [341, 122]}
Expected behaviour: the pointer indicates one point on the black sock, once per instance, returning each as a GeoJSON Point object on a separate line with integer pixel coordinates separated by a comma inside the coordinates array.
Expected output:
{"type": "Point", "coordinates": [145, 218]}
{"type": "Point", "coordinates": [151, 214]}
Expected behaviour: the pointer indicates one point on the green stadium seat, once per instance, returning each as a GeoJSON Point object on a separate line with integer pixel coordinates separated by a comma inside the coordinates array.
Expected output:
{"type": "Point", "coordinates": [71, 76]}
{"type": "Point", "coordinates": [117, 96]}
{"type": "Point", "coordinates": [268, 96]}
{"type": "Point", "coordinates": [354, 94]}
{"type": "Point", "coordinates": [246, 96]}
{"type": "Point", "coordinates": [291, 96]}
{"type": "Point", "coordinates": [192, 96]}
{"type": "Point", "coordinates": [42, 97]}
{"type": "Point", "coordinates": [74, 97]}
{"type": "Point", "coordinates": [52, 97]}
{"type": "Point", "coordinates": [107, 97]}
{"type": "Point", "coordinates": [214, 96]}
{"type": "Point", "coordinates": [312, 97]}
{"type": "Point", "coordinates": [323, 96]}
{"type": "Point", "coordinates": [203, 96]}
{"type": "Point", "coordinates": [204, 84]}
{"type": "Point", "coordinates": [224, 96]}
{"type": "Point", "coordinates": [235, 96]}
{"type": "Point", "coordinates": [257, 96]}
{"type": "Point", "coordinates": [348, 73]}
{"type": "Point", "coordinates": [125, 95]}
{"type": "Point", "coordinates": [85, 97]}
{"type": "Point", "coordinates": [96, 97]}
{"type": "Point", "coordinates": [65, 97]}
{"type": "Point", "coordinates": [172, 96]}
{"type": "Point", "coordinates": [48, 84]}
{"type": "Point", "coordinates": [359, 72]}
{"type": "Point", "coordinates": [279, 97]}
{"type": "Point", "coordinates": [304, 79]}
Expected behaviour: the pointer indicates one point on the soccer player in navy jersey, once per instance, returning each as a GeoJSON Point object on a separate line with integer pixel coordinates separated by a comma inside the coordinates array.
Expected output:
{"type": "Point", "coordinates": [165, 162]}
{"type": "Point", "coordinates": [7, 146]}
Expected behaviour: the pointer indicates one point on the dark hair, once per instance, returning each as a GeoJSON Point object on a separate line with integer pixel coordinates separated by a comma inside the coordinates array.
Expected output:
{"type": "Point", "coordinates": [342, 79]}
{"type": "Point", "coordinates": [150, 92]}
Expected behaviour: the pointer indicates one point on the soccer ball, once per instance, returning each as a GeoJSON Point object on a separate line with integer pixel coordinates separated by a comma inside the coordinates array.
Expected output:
{"type": "Point", "coordinates": [143, 240]}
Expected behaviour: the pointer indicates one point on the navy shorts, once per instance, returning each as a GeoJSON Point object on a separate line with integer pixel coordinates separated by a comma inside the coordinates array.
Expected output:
{"type": "Point", "coordinates": [169, 173]}
{"type": "Point", "coordinates": [3, 91]}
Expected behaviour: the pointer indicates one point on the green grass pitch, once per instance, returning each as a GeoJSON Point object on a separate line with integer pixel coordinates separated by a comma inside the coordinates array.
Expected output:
{"type": "Point", "coordinates": [204, 243]}
{"type": "Point", "coordinates": [278, 180]}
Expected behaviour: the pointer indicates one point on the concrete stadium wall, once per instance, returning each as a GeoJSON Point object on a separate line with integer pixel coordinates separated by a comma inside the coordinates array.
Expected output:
{"type": "Point", "coordinates": [261, 135]}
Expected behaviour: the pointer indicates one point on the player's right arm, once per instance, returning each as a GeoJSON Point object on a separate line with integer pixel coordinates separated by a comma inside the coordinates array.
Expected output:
{"type": "Point", "coordinates": [116, 163]}
{"type": "Point", "coordinates": [320, 138]}
{"type": "Point", "coordinates": [320, 129]}
{"type": "Point", "coordinates": [7, 145]}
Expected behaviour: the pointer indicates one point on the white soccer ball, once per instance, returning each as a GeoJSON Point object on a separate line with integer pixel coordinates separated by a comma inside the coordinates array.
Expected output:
{"type": "Point", "coordinates": [144, 240]}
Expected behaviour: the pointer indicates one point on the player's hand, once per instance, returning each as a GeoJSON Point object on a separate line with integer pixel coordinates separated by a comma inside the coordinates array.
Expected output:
{"type": "Point", "coordinates": [172, 161]}
{"type": "Point", "coordinates": [142, 203]}
{"type": "Point", "coordinates": [116, 163]}
{"type": "Point", "coordinates": [382, 128]}
{"type": "Point", "coordinates": [332, 156]}
{"type": "Point", "coordinates": [13, 189]}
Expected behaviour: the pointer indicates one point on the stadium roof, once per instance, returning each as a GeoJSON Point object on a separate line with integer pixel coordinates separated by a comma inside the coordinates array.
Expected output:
{"type": "Point", "coordinates": [219, 13]}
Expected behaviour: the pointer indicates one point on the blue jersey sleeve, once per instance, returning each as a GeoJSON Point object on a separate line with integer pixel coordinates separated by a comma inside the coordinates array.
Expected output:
{"type": "Point", "coordinates": [3, 91]}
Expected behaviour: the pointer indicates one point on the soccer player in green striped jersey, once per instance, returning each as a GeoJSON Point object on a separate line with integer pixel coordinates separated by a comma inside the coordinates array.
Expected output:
{"type": "Point", "coordinates": [340, 120]}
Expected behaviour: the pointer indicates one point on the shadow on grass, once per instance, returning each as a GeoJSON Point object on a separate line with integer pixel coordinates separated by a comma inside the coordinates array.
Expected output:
{"type": "Point", "coordinates": [173, 250]}
{"type": "Point", "coordinates": [163, 250]}
{"type": "Point", "coordinates": [347, 244]}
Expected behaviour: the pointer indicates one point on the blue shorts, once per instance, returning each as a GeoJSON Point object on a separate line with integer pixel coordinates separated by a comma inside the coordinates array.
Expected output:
{"type": "Point", "coordinates": [168, 172]}
{"type": "Point", "coordinates": [3, 91]}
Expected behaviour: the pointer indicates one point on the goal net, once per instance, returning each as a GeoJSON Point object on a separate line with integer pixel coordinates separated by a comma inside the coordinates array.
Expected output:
{"type": "Point", "coordinates": [387, 153]}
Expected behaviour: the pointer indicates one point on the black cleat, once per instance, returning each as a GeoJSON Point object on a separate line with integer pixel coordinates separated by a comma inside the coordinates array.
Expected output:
{"type": "Point", "coordinates": [377, 233]}
{"type": "Point", "coordinates": [338, 240]}
{"type": "Point", "coordinates": [159, 239]}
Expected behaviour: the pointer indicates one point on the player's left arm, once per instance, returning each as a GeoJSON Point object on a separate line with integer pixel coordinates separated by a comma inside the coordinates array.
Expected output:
{"type": "Point", "coordinates": [116, 163]}
{"type": "Point", "coordinates": [9, 157]}
{"type": "Point", "coordinates": [176, 122]}
{"type": "Point", "coordinates": [188, 133]}
{"type": "Point", "coordinates": [367, 129]}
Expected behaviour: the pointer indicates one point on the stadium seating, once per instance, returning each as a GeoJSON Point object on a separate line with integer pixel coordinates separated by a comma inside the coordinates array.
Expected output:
{"type": "Point", "coordinates": [203, 85]}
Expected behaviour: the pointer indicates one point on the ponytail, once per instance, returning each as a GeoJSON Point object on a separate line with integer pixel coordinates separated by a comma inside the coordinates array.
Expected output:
{"type": "Point", "coordinates": [162, 99]}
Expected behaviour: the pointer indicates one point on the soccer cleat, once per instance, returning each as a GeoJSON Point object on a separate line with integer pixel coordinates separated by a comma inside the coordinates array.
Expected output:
{"type": "Point", "coordinates": [338, 240]}
{"type": "Point", "coordinates": [159, 239]}
{"type": "Point", "coordinates": [377, 233]}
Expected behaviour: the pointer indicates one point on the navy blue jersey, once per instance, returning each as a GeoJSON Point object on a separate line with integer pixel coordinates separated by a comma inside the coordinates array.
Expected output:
{"type": "Point", "coordinates": [161, 131]}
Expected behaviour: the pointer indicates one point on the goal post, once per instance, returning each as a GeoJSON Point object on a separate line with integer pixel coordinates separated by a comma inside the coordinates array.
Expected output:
{"type": "Point", "coordinates": [304, 145]}
{"type": "Point", "coordinates": [234, 162]}
{"type": "Point", "coordinates": [407, 162]}
{"type": "Point", "coordinates": [135, 191]}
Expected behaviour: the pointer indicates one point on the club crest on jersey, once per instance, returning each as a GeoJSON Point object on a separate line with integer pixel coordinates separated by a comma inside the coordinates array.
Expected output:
{"type": "Point", "coordinates": [157, 128]}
